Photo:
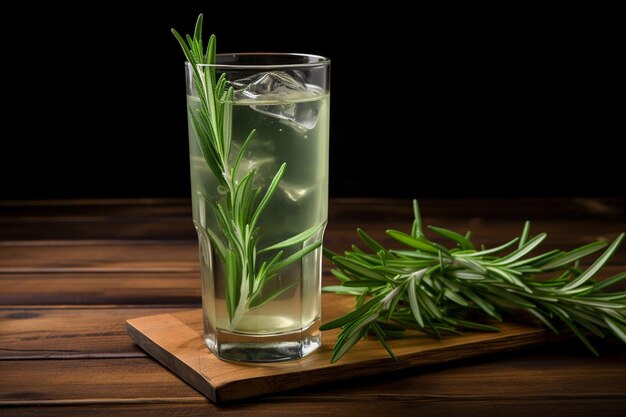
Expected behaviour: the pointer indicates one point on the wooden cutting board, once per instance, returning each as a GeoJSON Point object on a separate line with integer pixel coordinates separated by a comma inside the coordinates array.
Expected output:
{"type": "Point", "coordinates": [175, 340]}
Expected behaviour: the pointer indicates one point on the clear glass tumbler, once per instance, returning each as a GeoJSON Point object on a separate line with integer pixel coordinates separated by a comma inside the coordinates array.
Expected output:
{"type": "Point", "coordinates": [259, 181]}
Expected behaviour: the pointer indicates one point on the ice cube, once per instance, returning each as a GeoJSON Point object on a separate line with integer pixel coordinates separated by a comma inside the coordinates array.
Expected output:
{"type": "Point", "coordinates": [274, 84]}
{"type": "Point", "coordinates": [286, 88]}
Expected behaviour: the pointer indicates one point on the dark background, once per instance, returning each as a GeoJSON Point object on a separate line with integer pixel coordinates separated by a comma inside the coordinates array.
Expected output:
{"type": "Point", "coordinates": [449, 103]}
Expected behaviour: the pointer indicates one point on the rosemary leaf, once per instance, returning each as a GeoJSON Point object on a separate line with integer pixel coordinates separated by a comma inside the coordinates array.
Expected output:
{"type": "Point", "coordinates": [238, 212]}
{"type": "Point", "coordinates": [431, 289]}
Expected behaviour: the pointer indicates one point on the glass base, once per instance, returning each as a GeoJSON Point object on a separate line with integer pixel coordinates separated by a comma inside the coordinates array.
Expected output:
{"type": "Point", "coordinates": [277, 347]}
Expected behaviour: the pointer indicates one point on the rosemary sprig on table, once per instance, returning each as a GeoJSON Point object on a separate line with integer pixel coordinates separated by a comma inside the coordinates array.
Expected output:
{"type": "Point", "coordinates": [238, 213]}
{"type": "Point", "coordinates": [430, 288]}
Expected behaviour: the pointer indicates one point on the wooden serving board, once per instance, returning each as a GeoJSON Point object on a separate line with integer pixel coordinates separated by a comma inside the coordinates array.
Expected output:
{"type": "Point", "coordinates": [175, 340]}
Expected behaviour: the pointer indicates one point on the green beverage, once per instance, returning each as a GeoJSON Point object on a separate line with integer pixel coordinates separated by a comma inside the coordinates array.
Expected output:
{"type": "Point", "coordinates": [291, 121]}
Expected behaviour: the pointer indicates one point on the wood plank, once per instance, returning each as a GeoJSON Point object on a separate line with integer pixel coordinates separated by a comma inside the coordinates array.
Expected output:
{"type": "Point", "coordinates": [539, 376]}
{"type": "Point", "coordinates": [563, 231]}
{"type": "Point", "coordinates": [164, 288]}
{"type": "Point", "coordinates": [136, 257]}
{"type": "Point", "coordinates": [176, 341]}
{"type": "Point", "coordinates": [559, 380]}
{"type": "Point", "coordinates": [565, 406]}
{"type": "Point", "coordinates": [136, 230]}
{"type": "Point", "coordinates": [497, 209]}
{"type": "Point", "coordinates": [89, 380]}
{"type": "Point", "coordinates": [61, 332]}
{"type": "Point", "coordinates": [181, 255]}
{"type": "Point", "coordinates": [491, 231]}
{"type": "Point", "coordinates": [173, 221]}
{"type": "Point", "coordinates": [134, 288]}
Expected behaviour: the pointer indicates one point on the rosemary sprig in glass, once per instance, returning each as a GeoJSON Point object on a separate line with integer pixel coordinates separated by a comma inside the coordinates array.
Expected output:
{"type": "Point", "coordinates": [430, 288]}
{"type": "Point", "coordinates": [239, 212]}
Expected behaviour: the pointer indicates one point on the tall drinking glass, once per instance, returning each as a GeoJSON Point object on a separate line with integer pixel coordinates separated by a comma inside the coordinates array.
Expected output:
{"type": "Point", "coordinates": [259, 182]}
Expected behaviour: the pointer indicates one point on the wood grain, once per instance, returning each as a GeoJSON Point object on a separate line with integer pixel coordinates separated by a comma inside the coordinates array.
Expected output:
{"type": "Point", "coordinates": [175, 339]}
{"type": "Point", "coordinates": [540, 375]}
{"type": "Point", "coordinates": [69, 381]}
{"type": "Point", "coordinates": [165, 219]}
{"type": "Point", "coordinates": [138, 257]}
{"type": "Point", "coordinates": [100, 288]}
{"type": "Point", "coordinates": [565, 407]}
{"type": "Point", "coordinates": [110, 259]}
{"type": "Point", "coordinates": [62, 332]}
{"type": "Point", "coordinates": [562, 232]}
{"type": "Point", "coordinates": [484, 407]}
{"type": "Point", "coordinates": [180, 256]}
{"type": "Point", "coordinates": [145, 288]}
{"type": "Point", "coordinates": [141, 229]}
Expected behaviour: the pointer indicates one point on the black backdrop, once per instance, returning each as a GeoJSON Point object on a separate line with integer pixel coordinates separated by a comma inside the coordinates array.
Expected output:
{"type": "Point", "coordinates": [448, 103]}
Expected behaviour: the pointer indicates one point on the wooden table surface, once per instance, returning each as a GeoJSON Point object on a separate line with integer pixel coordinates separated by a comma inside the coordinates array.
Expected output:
{"type": "Point", "coordinates": [71, 273]}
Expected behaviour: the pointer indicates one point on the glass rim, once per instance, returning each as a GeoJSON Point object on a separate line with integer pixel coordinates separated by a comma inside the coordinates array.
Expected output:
{"type": "Point", "coordinates": [320, 61]}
